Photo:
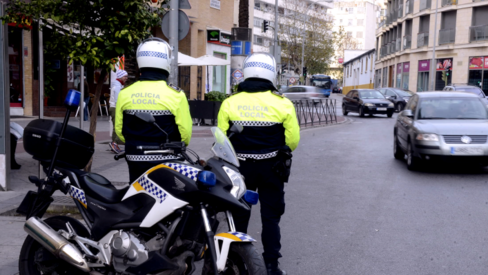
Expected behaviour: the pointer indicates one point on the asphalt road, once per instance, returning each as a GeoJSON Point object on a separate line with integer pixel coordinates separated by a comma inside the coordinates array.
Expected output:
{"type": "Point", "coordinates": [353, 209]}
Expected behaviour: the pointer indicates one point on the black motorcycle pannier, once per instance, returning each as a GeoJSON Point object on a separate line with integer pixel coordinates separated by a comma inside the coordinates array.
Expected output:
{"type": "Point", "coordinates": [76, 149]}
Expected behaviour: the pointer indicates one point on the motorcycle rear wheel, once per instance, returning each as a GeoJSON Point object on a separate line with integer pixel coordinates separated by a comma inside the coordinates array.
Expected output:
{"type": "Point", "coordinates": [243, 259]}
{"type": "Point", "coordinates": [35, 260]}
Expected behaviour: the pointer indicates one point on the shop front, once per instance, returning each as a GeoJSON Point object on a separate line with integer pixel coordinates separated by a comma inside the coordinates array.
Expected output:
{"type": "Point", "coordinates": [478, 72]}
{"type": "Point", "coordinates": [443, 75]}
{"type": "Point", "coordinates": [399, 76]}
{"type": "Point", "coordinates": [218, 45]}
{"type": "Point", "coordinates": [405, 75]}
{"type": "Point", "coordinates": [423, 76]}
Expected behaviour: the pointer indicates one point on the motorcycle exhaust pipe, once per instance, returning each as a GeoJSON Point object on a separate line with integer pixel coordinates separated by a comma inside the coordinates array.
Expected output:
{"type": "Point", "coordinates": [55, 243]}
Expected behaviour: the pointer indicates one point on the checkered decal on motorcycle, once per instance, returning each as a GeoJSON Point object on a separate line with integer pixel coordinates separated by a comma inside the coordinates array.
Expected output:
{"type": "Point", "coordinates": [77, 194]}
{"type": "Point", "coordinates": [153, 112]}
{"type": "Point", "coordinates": [255, 123]}
{"type": "Point", "coordinates": [149, 157]}
{"type": "Point", "coordinates": [188, 171]}
{"type": "Point", "coordinates": [152, 188]}
{"type": "Point", "coordinates": [152, 54]}
{"type": "Point", "coordinates": [243, 237]}
{"type": "Point", "coordinates": [259, 156]}
{"type": "Point", "coordinates": [259, 65]}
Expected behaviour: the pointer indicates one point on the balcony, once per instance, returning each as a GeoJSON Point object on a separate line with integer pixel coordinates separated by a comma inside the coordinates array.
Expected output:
{"type": "Point", "coordinates": [407, 42]}
{"type": "Point", "coordinates": [398, 46]}
{"type": "Point", "coordinates": [394, 15]}
{"type": "Point", "coordinates": [448, 2]}
{"type": "Point", "coordinates": [381, 24]}
{"type": "Point", "coordinates": [422, 39]}
{"type": "Point", "coordinates": [447, 36]}
{"type": "Point", "coordinates": [383, 50]}
{"type": "Point", "coordinates": [409, 7]}
{"type": "Point", "coordinates": [400, 11]}
{"type": "Point", "coordinates": [478, 33]}
{"type": "Point", "coordinates": [392, 47]}
{"type": "Point", "coordinates": [425, 4]}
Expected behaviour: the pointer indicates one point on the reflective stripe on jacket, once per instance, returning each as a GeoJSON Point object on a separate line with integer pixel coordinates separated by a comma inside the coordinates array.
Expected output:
{"type": "Point", "coordinates": [269, 121]}
{"type": "Point", "coordinates": [169, 107]}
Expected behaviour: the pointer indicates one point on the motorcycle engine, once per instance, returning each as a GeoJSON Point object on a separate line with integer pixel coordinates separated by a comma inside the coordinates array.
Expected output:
{"type": "Point", "coordinates": [127, 250]}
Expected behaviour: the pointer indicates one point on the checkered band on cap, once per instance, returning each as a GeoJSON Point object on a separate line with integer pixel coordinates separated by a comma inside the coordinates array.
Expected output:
{"type": "Point", "coordinates": [152, 54]}
{"type": "Point", "coordinates": [255, 123]}
{"type": "Point", "coordinates": [243, 237]}
{"type": "Point", "coordinates": [153, 112]}
{"type": "Point", "coordinates": [152, 188]}
{"type": "Point", "coordinates": [150, 157]}
{"type": "Point", "coordinates": [255, 64]}
{"type": "Point", "coordinates": [77, 194]}
{"type": "Point", "coordinates": [258, 156]}
{"type": "Point", "coordinates": [121, 73]}
{"type": "Point", "coordinates": [185, 170]}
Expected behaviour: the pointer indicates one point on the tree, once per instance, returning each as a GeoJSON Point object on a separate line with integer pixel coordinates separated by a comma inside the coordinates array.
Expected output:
{"type": "Point", "coordinates": [90, 32]}
{"type": "Point", "coordinates": [305, 25]}
{"type": "Point", "coordinates": [342, 41]}
{"type": "Point", "coordinates": [244, 13]}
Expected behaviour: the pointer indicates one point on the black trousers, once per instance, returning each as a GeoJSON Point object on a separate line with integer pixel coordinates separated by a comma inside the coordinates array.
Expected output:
{"type": "Point", "coordinates": [259, 175]}
{"type": "Point", "coordinates": [13, 147]}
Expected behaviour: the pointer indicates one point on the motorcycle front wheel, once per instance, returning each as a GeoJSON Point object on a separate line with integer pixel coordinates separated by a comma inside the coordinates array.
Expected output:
{"type": "Point", "coordinates": [35, 260]}
{"type": "Point", "coordinates": [243, 259]}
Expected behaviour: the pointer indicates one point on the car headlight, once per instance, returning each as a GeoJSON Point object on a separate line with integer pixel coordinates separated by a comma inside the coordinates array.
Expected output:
{"type": "Point", "coordinates": [238, 186]}
{"type": "Point", "coordinates": [369, 104]}
{"type": "Point", "coordinates": [391, 105]}
{"type": "Point", "coordinates": [406, 99]}
{"type": "Point", "coordinates": [427, 137]}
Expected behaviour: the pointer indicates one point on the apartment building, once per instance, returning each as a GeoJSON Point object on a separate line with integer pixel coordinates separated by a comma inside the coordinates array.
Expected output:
{"type": "Point", "coordinates": [405, 41]}
{"type": "Point", "coordinates": [359, 71]}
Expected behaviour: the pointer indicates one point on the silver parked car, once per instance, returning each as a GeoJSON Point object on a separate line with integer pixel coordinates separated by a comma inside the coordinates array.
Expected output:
{"type": "Point", "coordinates": [303, 92]}
{"type": "Point", "coordinates": [442, 126]}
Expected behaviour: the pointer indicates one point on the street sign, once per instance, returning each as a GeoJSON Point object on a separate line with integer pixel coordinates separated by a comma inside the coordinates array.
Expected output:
{"type": "Point", "coordinates": [238, 74]}
{"type": "Point", "coordinates": [292, 80]}
{"type": "Point", "coordinates": [341, 60]}
{"type": "Point", "coordinates": [183, 25]}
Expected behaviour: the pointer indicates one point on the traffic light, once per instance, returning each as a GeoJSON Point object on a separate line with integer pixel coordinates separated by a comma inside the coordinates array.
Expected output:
{"type": "Point", "coordinates": [447, 71]}
{"type": "Point", "coordinates": [305, 71]}
{"type": "Point", "coordinates": [265, 25]}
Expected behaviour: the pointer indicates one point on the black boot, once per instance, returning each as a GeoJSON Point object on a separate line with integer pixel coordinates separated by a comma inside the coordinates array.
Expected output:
{"type": "Point", "coordinates": [13, 146]}
{"type": "Point", "coordinates": [273, 269]}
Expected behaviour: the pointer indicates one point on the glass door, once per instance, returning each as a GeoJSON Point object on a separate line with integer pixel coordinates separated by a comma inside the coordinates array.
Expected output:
{"type": "Point", "coordinates": [219, 74]}
{"type": "Point", "coordinates": [423, 82]}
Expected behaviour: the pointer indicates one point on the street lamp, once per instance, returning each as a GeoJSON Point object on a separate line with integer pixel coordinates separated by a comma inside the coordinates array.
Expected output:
{"type": "Point", "coordinates": [433, 63]}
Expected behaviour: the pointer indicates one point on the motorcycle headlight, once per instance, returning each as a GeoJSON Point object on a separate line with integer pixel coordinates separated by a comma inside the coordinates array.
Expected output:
{"type": "Point", "coordinates": [369, 104]}
{"type": "Point", "coordinates": [238, 186]}
{"type": "Point", "coordinates": [391, 105]}
{"type": "Point", "coordinates": [427, 137]}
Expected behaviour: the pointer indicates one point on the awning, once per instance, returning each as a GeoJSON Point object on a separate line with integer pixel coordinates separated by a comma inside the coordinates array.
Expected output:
{"type": "Point", "coordinates": [186, 60]}
{"type": "Point", "coordinates": [209, 60]}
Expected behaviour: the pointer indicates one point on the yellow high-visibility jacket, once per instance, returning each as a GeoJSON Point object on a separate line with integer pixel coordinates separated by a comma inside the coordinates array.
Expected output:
{"type": "Point", "coordinates": [269, 122]}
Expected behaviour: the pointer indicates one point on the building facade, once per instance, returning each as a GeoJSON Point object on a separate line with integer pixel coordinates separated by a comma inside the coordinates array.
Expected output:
{"type": "Point", "coordinates": [406, 39]}
{"type": "Point", "coordinates": [359, 72]}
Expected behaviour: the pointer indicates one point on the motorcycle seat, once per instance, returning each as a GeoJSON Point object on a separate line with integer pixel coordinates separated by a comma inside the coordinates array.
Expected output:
{"type": "Point", "coordinates": [100, 188]}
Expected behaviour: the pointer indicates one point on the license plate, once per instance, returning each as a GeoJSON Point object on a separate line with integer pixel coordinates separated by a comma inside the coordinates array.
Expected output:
{"type": "Point", "coordinates": [380, 109]}
{"type": "Point", "coordinates": [467, 151]}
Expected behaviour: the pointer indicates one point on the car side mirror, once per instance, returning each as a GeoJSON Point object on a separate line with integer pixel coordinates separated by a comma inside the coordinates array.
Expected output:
{"type": "Point", "coordinates": [393, 97]}
{"type": "Point", "coordinates": [147, 117]}
{"type": "Point", "coordinates": [407, 113]}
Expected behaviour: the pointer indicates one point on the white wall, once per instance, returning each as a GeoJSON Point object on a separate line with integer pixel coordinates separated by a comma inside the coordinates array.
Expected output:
{"type": "Point", "coordinates": [355, 76]}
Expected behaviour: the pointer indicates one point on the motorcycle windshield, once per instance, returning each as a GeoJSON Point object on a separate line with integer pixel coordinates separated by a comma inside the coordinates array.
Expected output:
{"type": "Point", "coordinates": [223, 148]}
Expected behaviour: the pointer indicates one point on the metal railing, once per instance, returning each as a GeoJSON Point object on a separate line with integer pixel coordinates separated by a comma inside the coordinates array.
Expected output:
{"type": "Point", "coordinates": [400, 11]}
{"type": "Point", "coordinates": [381, 24]}
{"type": "Point", "coordinates": [477, 33]}
{"type": "Point", "coordinates": [447, 36]}
{"type": "Point", "coordinates": [448, 2]}
{"type": "Point", "coordinates": [407, 42]}
{"type": "Point", "coordinates": [392, 47]}
{"type": "Point", "coordinates": [408, 7]}
{"type": "Point", "coordinates": [394, 15]}
{"type": "Point", "coordinates": [398, 46]}
{"type": "Point", "coordinates": [425, 4]}
{"type": "Point", "coordinates": [315, 112]}
{"type": "Point", "coordinates": [422, 39]}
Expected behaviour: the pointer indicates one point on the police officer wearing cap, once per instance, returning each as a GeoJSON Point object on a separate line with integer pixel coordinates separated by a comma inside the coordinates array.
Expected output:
{"type": "Point", "coordinates": [271, 132]}
{"type": "Point", "coordinates": [151, 94]}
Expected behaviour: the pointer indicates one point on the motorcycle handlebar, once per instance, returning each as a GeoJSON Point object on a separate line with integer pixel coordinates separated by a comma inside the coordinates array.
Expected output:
{"type": "Point", "coordinates": [148, 147]}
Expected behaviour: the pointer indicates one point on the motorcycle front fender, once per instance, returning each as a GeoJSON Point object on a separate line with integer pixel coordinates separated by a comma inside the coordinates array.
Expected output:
{"type": "Point", "coordinates": [227, 238]}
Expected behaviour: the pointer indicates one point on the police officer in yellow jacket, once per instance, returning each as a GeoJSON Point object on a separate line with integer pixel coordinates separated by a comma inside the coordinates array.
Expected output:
{"type": "Point", "coordinates": [151, 94]}
{"type": "Point", "coordinates": [271, 132]}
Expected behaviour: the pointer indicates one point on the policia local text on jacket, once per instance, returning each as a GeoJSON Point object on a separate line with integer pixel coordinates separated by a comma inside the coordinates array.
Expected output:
{"type": "Point", "coordinates": [169, 107]}
{"type": "Point", "coordinates": [270, 126]}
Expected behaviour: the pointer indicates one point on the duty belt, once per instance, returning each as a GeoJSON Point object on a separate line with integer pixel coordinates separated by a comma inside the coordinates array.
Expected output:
{"type": "Point", "coordinates": [150, 157]}
{"type": "Point", "coordinates": [258, 156]}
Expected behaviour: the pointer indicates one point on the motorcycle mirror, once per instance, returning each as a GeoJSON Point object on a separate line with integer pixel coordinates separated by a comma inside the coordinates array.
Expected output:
{"type": "Point", "coordinates": [147, 117]}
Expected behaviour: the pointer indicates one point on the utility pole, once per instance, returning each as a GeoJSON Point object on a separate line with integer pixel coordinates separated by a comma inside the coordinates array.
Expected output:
{"type": "Point", "coordinates": [173, 41]}
{"type": "Point", "coordinates": [275, 51]}
{"type": "Point", "coordinates": [433, 63]}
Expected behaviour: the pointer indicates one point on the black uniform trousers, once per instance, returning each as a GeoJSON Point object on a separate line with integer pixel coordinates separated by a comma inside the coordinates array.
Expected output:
{"type": "Point", "coordinates": [259, 175]}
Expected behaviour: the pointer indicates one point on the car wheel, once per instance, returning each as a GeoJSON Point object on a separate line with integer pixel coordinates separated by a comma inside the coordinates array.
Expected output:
{"type": "Point", "coordinates": [344, 112]}
{"type": "Point", "coordinates": [397, 150]}
{"type": "Point", "coordinates": [389, 114]}
{"type": "Point", "coordinates": [413, 162]}
{"type": "Point", "coordinates": [361, 111]}
{"type": "Point", "coordinates": [400, 106]}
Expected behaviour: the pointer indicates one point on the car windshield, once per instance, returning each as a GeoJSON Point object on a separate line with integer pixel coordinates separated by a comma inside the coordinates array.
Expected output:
{"type": "Point", "coordinates": [452, 108]}
{"type": "Point", "coordinates": [404, 93]}
{"type": "Point", "coordinates": [478, 92]}
{"type": "Point", "coordinates": [370, 95]}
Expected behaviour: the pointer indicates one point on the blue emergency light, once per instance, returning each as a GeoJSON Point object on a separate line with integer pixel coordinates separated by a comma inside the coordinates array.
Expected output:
{"type": "Point", "coordinates": [251, 197]}
{"type": "Point", "coordinates": [72, 99]}
{"type": "Point", "coordinates": [207, 178]}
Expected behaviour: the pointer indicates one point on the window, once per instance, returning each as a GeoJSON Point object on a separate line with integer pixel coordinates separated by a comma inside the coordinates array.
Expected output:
{"type": "Point", "coordinates": [257, 6]}
{"type": "Point", "coordinates": [258, 22]}
{"type": "Point", "coordinates": [350, 22]}
{"type": "Point", "coordinates": [340, 21]}
{"type": "Point", "coordinates": [360, 22]}
{"type": "Point", "coordinates": [359, 35]}
{"type": "Point", "coordinates": [351, 10]}
{"type": "Point", "coordinates": [349, 34]}
{"type": "Point", "coordinates": [258, 40]}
